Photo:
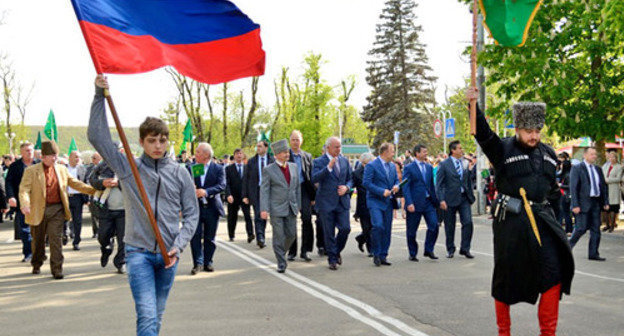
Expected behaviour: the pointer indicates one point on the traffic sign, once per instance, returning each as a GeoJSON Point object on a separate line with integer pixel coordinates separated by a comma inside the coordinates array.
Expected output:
{"type": "Point", "coordinates": [437, 128]}
{"type": "Point", "coordinates": [450, 128]}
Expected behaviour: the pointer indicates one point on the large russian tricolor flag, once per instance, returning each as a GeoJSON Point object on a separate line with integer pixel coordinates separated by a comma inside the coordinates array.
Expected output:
{"type": "Point", "coordinates": [211, 41]}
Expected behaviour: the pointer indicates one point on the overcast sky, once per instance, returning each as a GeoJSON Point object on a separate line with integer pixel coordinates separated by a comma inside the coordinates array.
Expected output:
{"type": "Point", "coordinates": [45, 43]}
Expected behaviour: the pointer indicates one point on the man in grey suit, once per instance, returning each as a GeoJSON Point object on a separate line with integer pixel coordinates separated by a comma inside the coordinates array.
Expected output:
{"type": "Point", "coordinates": [280, 195]}
{"type": "Point", "coordinates": [589, 196]}
{"type": "Point", "coordinates": [454, 190]}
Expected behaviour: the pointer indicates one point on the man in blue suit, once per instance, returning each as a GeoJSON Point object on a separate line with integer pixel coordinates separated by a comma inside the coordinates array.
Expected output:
{"type": "Point", "coordinates": [454, 188]}
{"type": "Point", "coordinates": [332, 172]}
{"type": "Point", "coordinates": [381, 183]}
{"type": "Point", "coordinates": [420, 201]}
{"type": "Point", "coordinates": [208, 188]}
{"type": "Point", "coordinates": [589, 197]}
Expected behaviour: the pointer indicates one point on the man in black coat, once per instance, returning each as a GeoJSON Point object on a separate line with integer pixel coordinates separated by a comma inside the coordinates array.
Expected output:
{"type": "Point", "coordinates": [362, 214]}
{"type": "Point", "coordinates": [233, 194]}
{"type": "Point", "coordinates": [252, 177]}
{"type": "Point", "coordinates": [13, 180]}
{"type": "Point", "coordinates": [527, 264]}
{"type": "Point", "coordinates": [303, 160]}
{"type": "Point", "coordinates": [589, 197]}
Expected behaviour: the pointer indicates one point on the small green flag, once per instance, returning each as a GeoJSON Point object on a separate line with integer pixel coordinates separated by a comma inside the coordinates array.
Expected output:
{"type": "Point", "coordinates": [188, 132]}
{"type": "Point", "coordinates": [509, 21]}
{"type": "Point", "coordinates": [198, 170]}
{"type": "Point", "coordinates": [38, 143]}
{"type": "Point", "coordinates": [50, 127]}
{"type": "Point", "coordinates": [265, 136]}
{"type": "Point", "coordinates": [182, 147]}
{"type": "Point", "coordinates": [72, 146]}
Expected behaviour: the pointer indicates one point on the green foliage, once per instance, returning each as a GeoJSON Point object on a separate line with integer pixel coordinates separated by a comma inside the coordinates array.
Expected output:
{"type": "Point", "coordinates": [573, 61]}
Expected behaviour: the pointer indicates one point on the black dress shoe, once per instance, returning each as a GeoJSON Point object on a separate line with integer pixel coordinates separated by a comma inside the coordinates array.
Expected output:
{"type": "Point", "coordinates": [360, 244]}
{"type": "Point", "coordinates": [65, 240]}
{"type": "Point", "coordinates": [370, 255]}
{"type": "Point", "coordinates": [321, 251]}
{"type": "Point", "coordinates": [121, 269]}
{"type": "Point", "coordinates": [261, 245]}
{"type": "Point", "coordinates": [281, 268]}
{"type": "Point", "coordinates": [385, 262]}
{"type": "Point", "coordinates": [376, 261]}
{"type": "Point", "coordinates": [58, 276]}
{"type": "Point", "coordinates": [304, 256]}
{"type": "Point", "coordinates": [333, 267]}
{"type": "Point", "coordinates": [231, 239]}
{"type": "Point", "coordinates": [339, 259]}
{"type": "Point", "coordinates": [104, 259]}
{"type": "Point", "coordinates": [450, 255]}
{"type": "Point", "coordinates": [208, 268]}
{"type": "Point", "coordinates": [291, 257]}
{"type": "Point", "coordinates": [36, 270]}
{"type": "Point", "coordinates": [431, 255]}
{"type": "Point", "coordinates": [598, 258]}
{"type": "Point", "coordinates": [413, 258]}
{"type": "Point", "coordinates": [196, 270]}
{"type": "Point", "coordinates": [76, 248]}
{"type": "Point", "coordinates": [466, 254]}
{"type": "Point", "coordinates": [250, 238]}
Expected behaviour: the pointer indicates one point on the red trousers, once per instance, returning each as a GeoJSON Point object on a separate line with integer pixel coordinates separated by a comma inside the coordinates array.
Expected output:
{"type": "Point", "coordinates": [548, 313]}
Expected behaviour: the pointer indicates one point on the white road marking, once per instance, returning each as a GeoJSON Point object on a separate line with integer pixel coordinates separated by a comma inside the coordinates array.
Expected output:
{"type": "Point", "coordinates": [491, 255]}
{"type": "Point", "coordinates": [330, 295]}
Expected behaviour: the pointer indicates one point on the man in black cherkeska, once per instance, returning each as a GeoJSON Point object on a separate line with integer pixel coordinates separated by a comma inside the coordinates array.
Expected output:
{"type": "Point", "coordinates": [530, 257]}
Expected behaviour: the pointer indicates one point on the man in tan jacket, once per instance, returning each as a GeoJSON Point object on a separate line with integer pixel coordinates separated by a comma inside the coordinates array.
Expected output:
{"type": "Point", "coordinates": [44, 203]}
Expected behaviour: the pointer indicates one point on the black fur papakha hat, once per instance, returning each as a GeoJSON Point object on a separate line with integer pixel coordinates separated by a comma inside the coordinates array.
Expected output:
{"type": "Point", "coordinates": [529, 115]}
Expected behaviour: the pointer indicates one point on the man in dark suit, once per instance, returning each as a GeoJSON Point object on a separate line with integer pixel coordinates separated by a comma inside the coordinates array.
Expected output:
{"type": "Point", "coordinates": [252, 178]}
{"type": "Point", "coordinates": [420, 201]}
{"type": "Point", "coordinates": [454, 189]}
{"type": "Point", "coordinates": [13, 180]}
{"type": "Point", "coordinates": [589, 196]}
{"type": "Point", "coordinates": [333, 174]}
{"type": "Point", "coordinates": [208, 187]}
{"type": "Point", "coordinates": [233, 192]}
{"type": "Point", "coordinates": [362, 214]}
{"type": "Point", "coordinates": [381, 183]}
{"type": "Point", "coordinates": [303, 160]}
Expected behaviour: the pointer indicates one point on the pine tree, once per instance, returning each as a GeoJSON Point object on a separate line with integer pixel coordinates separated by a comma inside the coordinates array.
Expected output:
{"type": "Point", "coordinates": [402, 94]}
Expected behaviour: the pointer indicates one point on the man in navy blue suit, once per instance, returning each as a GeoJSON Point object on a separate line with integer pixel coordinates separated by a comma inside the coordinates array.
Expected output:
{"type": "Point", "coordinates": [208, 188]}
{"type": "Point", "coordinates": [381, 183]}
{"type": "Point", "coordinates": [589, 197]}
{"type": "Point", "coordinates": [333, 174]}
{"type": "Point", "coordinates": [420, 201]}
{"type": "Point", "coordinates": [454, 187]}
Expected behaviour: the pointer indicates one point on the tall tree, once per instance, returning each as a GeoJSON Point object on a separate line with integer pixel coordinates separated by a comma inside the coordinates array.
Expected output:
{"type": "Point", "coordinates": [573, 60]}
{"type": "Point", "coordinates": [400, 78]}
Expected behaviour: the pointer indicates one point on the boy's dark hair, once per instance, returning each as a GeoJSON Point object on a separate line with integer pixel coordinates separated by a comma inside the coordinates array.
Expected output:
{"type": "Point", "coordinates": [153, 126]}
{"type": "Point", "coordinates": [237, 150]}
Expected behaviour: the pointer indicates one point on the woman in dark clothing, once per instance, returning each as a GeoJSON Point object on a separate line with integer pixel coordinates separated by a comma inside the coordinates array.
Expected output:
{"type": "Point", "coordinates": [361, 211]}
{"type": "Point", "coordinates": [564, 182]}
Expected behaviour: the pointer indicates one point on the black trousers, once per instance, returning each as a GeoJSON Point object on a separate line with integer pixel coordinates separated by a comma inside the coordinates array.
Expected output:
{"type": "Point", "coordinates": [94, 219]}
{"type": "Point", "coordinates": [307, 230]}
{"type": "Point", "coordinates": [113, 224]}
{"type": "Point", "coordinates": [76, 202]}
{"type": "Point", "coordinates": [232, 217]}
{"type": "Point", "coordinates": [320, 235]}
{"type": "Point", "coordinates": [365, 237]}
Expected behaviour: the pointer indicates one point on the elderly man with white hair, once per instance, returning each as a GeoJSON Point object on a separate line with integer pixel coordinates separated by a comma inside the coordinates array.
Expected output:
{"type": "Point", "coordinates": [209, 178]}
{"type": "Point", "coordinates": [332, 172]}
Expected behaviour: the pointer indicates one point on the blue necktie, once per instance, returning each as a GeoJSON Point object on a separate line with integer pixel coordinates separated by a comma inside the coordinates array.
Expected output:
{"type": "Point", "coordinates": [594, 185]}
{"type": "Point", "coordinates": [458, 168]}
{"type": "Point", "coordinates": [240, 170]}
{"type": "Point", "coordinates": [337, 169]}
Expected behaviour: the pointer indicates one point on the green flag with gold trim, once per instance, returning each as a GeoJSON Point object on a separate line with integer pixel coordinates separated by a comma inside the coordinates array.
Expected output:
{"type": "Point", "coordinates": [508, 21]}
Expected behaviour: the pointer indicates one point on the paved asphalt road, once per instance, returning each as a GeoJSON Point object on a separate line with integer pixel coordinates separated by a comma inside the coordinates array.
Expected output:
{"type": "Point", "coordinates": [245, 296]}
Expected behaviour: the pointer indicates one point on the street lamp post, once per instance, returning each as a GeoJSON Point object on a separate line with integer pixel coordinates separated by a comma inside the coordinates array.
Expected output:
{"type": "Point", "coordinates": [10, 136]}
{"type": "Point", "coordinates": [444, 118]}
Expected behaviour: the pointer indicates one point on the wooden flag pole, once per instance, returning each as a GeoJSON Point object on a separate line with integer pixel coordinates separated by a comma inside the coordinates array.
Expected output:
{"type": "Point", "coordinates": [473, 72]}
{"type": "Point", "coordinates": [137, 178]}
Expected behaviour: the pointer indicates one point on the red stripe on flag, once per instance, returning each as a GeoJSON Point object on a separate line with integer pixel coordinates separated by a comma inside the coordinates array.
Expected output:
{"type": "Point", "coordinates": [209, 62]}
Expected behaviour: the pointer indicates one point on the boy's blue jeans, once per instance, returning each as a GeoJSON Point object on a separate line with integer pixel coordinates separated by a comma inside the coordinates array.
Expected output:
{"type": "Point", "coordinates": [150, 283]}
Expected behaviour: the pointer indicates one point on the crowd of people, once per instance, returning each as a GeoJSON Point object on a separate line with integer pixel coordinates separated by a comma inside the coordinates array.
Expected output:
{"type": "Point", "coordinates": [45, 194]}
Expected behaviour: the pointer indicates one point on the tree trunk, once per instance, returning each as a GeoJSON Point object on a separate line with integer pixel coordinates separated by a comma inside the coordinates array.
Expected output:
{"type": "Point", "coordinates": [225, 107]}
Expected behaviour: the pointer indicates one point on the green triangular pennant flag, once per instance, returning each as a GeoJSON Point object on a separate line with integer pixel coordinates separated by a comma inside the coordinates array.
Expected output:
{"type": "Point", "coordinates": [509, 21]}
{"type": "Point", "coordinates": [50, 127]}
{"type": "Point", "coordinates": [38, 143]}
{"type": "Point", "coordinates": [72, 146]}
{"type": "Point", "coordinates": [198, 170]}
{"type": "Point", "coordinates": [188, 132]}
